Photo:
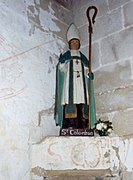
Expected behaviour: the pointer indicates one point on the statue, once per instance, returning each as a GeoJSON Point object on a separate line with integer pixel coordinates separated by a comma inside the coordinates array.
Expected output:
{"type": "Point", "coordinates": [72, 86]}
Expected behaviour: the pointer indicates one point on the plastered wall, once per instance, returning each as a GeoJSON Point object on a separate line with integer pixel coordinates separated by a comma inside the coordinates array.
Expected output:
{"type": "Point", "coordinates": [31, 38]}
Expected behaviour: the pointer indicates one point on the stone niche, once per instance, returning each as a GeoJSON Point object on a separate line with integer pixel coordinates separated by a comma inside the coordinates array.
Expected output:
{"type": "Point", "coordinates": [83, 156]}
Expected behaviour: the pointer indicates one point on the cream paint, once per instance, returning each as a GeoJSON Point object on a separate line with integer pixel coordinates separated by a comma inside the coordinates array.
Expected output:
{"type": "Point", "coordinates": [26, 86]}
{"type": "Point", "coordinates": [70, 153]}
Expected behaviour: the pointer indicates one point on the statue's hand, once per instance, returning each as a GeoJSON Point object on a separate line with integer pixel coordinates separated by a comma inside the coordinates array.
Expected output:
{"type": "Point", "coordinates": [61, 59]}
{"type": "Point", "coordinates": [91, 76]}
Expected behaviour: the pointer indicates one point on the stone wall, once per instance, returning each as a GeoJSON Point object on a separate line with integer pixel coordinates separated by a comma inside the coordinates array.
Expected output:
{"type": "Point", "coordinates": [112, 63]}
{"type": "Point", "coordinates": [112, 59]}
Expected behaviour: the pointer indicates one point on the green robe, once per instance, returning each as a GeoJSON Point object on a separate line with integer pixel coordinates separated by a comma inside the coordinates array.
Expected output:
{"type": "Point", "coordinates": [88, 80]}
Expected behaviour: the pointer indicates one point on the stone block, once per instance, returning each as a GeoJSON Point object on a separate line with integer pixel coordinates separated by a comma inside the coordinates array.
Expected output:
{"type": "Point", "coordinates": [74, 178]}
{"type": "Point", "coordinates": [126, 155]}
{"type": "Point", "coordinates": [107, 24]}
{"type": "Point", "coordinates": [62, 30]}
{"type": "Point", "coordinates": [61, 13]}
{"type": "Point", "coordinates": [95, 55]}
{"type": "Point", "coordinates": [128, 13]}
{"type": "Point", "coordinates": [49, 17]}
{"type": "Point", "coordinates": [104, 26]}
{"type": "Point", "coordinates": [117, 47]}
{"type": "Point", "coordinates": [113, 77]}
{"type": "Point", "coordinates": [56, 156]}
{"type": "Point", "coordinates": [123, 122]}
{"type": "Point", "coordinates": [65, 177]}
{"type": "Point", "coordinates": [85, 2]}
{"type": "Point", "coordinates": [117, 100]}
{"type": "Point", "coordinates": [101, 5]}
{"type": "Point", "coordinates": [76, 5]}
{"type": "Point", "coordinates": [66, 4]}
{"type": "Point", "coordinates": [111, 178]}
{"type": "Point", "coordinates": [128, 175]}
{"type": "Point", "coordinates": [115, 155]}
{"type": "Point", "coordinates": [36, 177]}
{"type": "Point", "coordinates": [116, 3]}
{"type": "Point", "coordinates": [55, 9]}
{"type": "Point", "coordinates": [80, 17]}
{"type": "Point", "coordinates": [84, 35]}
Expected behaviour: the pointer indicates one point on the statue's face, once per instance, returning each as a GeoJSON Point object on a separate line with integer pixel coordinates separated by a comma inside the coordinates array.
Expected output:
{"type": "Point", "coordinates": [74, 44]}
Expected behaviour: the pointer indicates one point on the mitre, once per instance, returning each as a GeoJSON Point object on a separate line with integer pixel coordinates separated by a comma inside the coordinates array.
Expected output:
{"type": "Point", "coordinates": [72, 32]}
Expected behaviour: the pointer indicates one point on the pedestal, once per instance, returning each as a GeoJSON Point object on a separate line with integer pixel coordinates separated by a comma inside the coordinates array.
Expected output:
{"type": "Point", "coordinates": [56, 156]}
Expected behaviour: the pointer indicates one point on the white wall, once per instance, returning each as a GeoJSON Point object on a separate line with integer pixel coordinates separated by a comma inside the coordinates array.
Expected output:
{"type": "Point", "coordinates": [31, 38]}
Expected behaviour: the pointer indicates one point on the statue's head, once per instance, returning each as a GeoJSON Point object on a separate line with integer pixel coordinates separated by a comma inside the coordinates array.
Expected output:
{"type": "Point", "coordinates": [74, 44]}
{"type": "Point", "coordinates": [73, 37]}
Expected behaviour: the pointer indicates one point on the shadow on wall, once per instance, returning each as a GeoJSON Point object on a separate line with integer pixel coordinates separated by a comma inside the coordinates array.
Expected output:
{"type": "Point", "coordinates": [65, 3]}
{"type": "Point", "coordinates": [42, 15]}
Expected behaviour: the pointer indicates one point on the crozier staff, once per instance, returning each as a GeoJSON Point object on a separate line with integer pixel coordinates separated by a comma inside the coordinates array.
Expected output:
{"type": "Point", "coordinates": [71, 107]}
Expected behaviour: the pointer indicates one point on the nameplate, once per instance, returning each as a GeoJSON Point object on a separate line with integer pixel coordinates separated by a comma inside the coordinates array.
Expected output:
{"type": "Point", "coordinates": [76, 132]}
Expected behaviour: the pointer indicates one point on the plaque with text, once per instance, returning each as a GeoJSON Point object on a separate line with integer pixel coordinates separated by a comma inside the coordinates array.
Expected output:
{"type": "Point", "coordinates": [76, 132]}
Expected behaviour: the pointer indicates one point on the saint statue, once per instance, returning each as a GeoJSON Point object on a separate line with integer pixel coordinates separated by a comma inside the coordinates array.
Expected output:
{"type": "Point", "coordinates": [72, 82]}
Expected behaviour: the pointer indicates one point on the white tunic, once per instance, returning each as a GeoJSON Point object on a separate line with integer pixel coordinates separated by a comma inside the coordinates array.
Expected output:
{"type": "Point", "coordinates": [78, 87]}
